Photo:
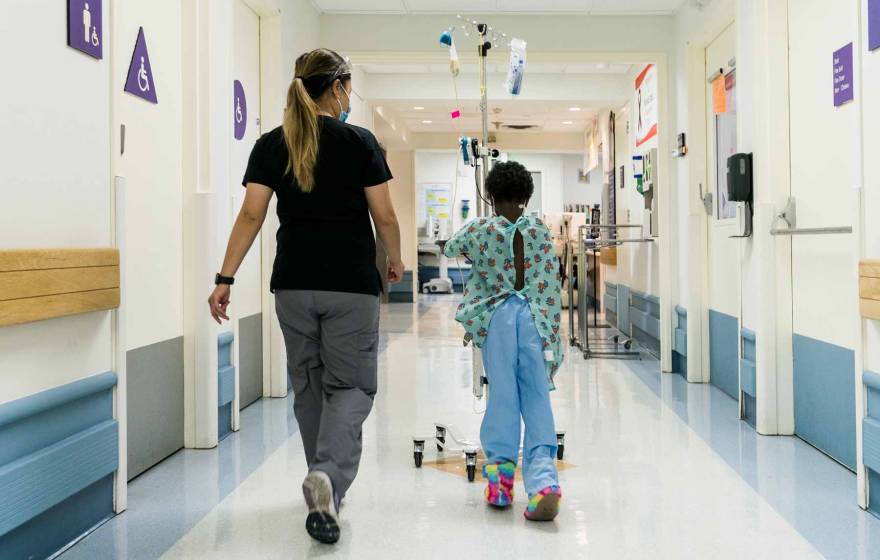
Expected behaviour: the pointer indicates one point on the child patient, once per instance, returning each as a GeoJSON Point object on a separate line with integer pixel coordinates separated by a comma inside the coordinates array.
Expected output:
{"type": "Point", "coordinates": [511, 311]}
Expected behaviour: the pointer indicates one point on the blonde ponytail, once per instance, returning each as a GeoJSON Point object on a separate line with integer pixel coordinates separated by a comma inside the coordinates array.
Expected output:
{"type": "Point", "coordinates": [315, 72]}
{"type": "Point", "coordinates": [301, 135]}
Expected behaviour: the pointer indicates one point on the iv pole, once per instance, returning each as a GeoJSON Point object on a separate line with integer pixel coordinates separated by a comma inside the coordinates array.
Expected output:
{"type": "Point", "coordinates": [483, 52]}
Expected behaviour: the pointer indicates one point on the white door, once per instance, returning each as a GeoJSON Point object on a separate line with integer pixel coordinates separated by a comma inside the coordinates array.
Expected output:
{"type": "Point", "coordinates": [723, 250]}
{"type": "Point", "coordinates": [825, 171]}
{"type": "Point", "coordinates": [247, 293]}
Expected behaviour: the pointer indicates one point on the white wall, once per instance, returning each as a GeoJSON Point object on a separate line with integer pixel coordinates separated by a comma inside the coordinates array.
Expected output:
{"type": "Point", "coordinates": [637, 263]}
{"type": "Point", "coordinates": [440, 167]}
{"type": "Point", "coordinates": [56, 185]}
{"type": "Point", "coordinates": [575, 192]}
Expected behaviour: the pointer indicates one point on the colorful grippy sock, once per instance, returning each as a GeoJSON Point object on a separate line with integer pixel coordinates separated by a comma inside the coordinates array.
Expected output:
{"type": "Point", "coordinates": [499, 490]}
{"type": "Point", "coordinates": [544, 506]}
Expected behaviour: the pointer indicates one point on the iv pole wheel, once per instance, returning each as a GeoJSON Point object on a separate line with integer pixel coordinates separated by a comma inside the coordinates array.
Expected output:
{"type": "Point", "coordinates": [471, 462]}
{"type": "Point", "coordinates": [418, 452]}
{"type": "Point", "coordinates": [560, 445]}
{"type": "Point", "coordinates": [440, 432]}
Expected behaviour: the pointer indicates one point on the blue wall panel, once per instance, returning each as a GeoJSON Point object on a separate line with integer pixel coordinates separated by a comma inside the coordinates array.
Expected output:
{"type": "Point", "coordinates": [58, 452]}
{"type": "Point", "coordinates": [680, 342]}
{"type": "Point", "coordinates": [824, 397]}
{"type": "Point", "coordinates": [723, 353]}
{"type": "Point", "coordinates": [225, 384]}
{"type": "Point", "coordinates": [610, 304]}
{"type": "Point", "coordinates": [623, 297]}
{"type": "Point", "coordinates": [871, 439]}
{"type": "Point", "coordinates": [748, 382]}
{"type": "Point", "coordinates": [644, 317]}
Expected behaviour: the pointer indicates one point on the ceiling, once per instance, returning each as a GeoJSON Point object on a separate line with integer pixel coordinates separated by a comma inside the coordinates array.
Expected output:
{"type": "Point", "coordinates": [493, 68]}
{"type": "Point", "coordinates": [585, 7]}
{"type": "Point", "coordinates": [548, 116]}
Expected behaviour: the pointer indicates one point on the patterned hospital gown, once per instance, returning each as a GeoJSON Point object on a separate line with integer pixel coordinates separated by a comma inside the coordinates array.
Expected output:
{"type": "Point", "coordinates": [488, 244]}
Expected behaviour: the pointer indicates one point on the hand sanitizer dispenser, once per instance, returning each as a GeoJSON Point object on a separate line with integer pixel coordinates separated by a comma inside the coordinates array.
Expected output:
{"type": "Point", "coordinates": [739, 189]}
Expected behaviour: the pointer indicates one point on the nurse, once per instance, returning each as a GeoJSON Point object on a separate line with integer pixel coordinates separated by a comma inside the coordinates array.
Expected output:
{"type": "Point", "coordinates": [330, 178]}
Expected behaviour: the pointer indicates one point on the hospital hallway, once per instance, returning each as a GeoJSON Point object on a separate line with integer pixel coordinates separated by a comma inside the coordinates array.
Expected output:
{"type": "Point", "coordinates": [653, 468]}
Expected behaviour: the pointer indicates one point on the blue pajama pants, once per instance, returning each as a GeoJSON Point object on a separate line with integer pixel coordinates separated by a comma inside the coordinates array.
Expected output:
{"type": "Point", "coordinates": [513, 357]}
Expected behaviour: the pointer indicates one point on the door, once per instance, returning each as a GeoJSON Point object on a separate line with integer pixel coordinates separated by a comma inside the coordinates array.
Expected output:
{"type": "Point", "coordinates": [825, 168]}
{"type": "Point", "coordinates": [149, 158]}
{"type": "Point", "coordinates": [247, 293]}
{"type": "Point", "coordinates": [723, 249]}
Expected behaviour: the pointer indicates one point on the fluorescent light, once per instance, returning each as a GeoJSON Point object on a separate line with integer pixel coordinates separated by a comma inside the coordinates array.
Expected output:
{"type": "Point", "coordinates": [427, 122]}
{"type": "Point", "coordinates": [418, 108]}
{"type": "Point", "coordinates": [567, 122]}
{"type": "Point", "coordinates": [574, 109]}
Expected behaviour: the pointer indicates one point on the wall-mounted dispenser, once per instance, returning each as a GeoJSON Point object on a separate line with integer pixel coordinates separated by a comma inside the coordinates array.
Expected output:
{"type": "Point", "coordinates": [740, 185]}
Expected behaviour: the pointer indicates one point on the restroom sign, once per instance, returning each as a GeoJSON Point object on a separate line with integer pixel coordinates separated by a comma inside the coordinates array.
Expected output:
{"type": "Point", "coordinates": [140, 73]}
{"type": "Point", "coordinates": [239, 110]}
{"type": "Point", "coordinates": [84, 29]}
{"type": "Point", "coordinates": [843, 76]}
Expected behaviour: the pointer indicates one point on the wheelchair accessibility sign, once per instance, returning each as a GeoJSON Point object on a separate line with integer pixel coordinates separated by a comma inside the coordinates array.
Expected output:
{"type": "Point", "coordinates": [239, 110]}
{"type": "Point", "coordinates": [140, 73]}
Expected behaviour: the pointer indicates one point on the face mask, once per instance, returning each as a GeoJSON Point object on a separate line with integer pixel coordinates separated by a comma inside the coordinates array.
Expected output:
{"type": "Point", "coordinates": [343, 114]}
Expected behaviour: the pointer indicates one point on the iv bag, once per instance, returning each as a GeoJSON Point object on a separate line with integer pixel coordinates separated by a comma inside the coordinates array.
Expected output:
{"type": "Point", "coordinates": [516, 66]}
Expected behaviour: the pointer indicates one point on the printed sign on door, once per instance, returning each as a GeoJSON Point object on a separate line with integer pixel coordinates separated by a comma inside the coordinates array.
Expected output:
{"type": "Point", "coordinates": [140, 73]}
{"type": "Point", "coordinates": [84, 30]}
{"type": "Point", "coordinates": [843, 76]}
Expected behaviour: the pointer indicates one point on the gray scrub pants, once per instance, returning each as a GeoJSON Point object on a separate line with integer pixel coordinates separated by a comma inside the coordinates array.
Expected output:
{"type": "Point", "coordinates": [331, 340]}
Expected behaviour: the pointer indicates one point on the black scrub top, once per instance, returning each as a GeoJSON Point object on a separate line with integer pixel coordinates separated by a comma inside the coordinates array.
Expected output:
{"type": "Point", "coordinates": [326, 239]}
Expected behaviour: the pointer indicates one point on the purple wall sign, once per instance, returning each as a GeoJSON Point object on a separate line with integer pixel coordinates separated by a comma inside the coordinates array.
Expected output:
{"type": "Point", "coordinates": [873, 24]}
{"type": "Point", "coordinates": [140, 73]}
{"type": "Point", "coordinates": [843, 76]}
{"type": "Point", "coordinates": [239, 109]}
{"type": "Point", "coordinates": [84, 31]}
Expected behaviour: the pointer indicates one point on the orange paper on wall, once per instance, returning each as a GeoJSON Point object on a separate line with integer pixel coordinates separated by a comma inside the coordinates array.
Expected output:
{"type": "Point", "coordinates": [719, 95]}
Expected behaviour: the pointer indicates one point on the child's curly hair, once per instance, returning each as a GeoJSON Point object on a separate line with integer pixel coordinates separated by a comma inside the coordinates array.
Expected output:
{"type": "Point", "coordinates": [509, 182]}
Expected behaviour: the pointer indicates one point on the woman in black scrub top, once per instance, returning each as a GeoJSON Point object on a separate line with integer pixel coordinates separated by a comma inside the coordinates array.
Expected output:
{"type": "Point", "coordinates": [330, 178]}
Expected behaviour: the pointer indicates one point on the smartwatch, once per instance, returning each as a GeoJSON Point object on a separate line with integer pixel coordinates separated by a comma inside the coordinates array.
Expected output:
{"type": "Point", "coordinates": [224, 279]}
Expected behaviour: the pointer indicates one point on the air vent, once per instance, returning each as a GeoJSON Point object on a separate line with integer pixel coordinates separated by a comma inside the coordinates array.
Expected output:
{"type": "Point", "coordinates": [520, 126]}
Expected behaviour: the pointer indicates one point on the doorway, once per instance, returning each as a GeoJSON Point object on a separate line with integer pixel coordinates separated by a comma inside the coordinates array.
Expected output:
{"type": "Point", "coordinates": [723, 297]}
{"type": "Point", "coordinates": [825, 168]}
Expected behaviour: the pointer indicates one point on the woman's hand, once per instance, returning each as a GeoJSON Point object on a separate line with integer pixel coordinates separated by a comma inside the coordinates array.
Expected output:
{"type": "Point", "coordinates": [395, 271]}
{"type": "Point", "coordinates": [218, 302]}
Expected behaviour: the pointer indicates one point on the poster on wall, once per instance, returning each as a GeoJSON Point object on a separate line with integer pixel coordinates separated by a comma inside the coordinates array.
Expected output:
{"type": "Point", "coordinates": [843, 75]}
{"type": "Point", "coordinates": [873, 24]}
{"type": "Point", "coordinates": [84, 29]}
{"type": "Point", "coordinates": [645, 103]}
{"type": "Point", "coordinates": [239, 110]}
{"type": "Point", "coordinates": [437, 197]}
{"type": "Point", "coordinates": [140, 73]}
